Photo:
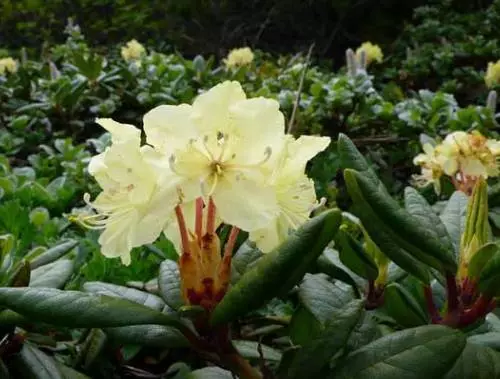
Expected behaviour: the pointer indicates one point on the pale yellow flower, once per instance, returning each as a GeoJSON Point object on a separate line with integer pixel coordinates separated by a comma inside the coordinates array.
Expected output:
{"type": "Point", "coordinates": [132, 51]}
{"type": "Point", "coordinates": [8, 65]}
{"type": "Point", "coordinates": [295, 192]}
{"type": "Point", "coordinates": [373, 52]}
{"type": "Point", "coordinates": [239, 57]}
{"type": "Point", "coordinates": [492, 76]}
{"type": "Point", "coordinates": [223, 146]}
{"type": "Point", "coordinates": [136, 199]}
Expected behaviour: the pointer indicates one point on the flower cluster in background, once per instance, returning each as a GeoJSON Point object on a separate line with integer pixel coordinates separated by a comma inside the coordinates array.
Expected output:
{"type": "Point", "coordinates": [239, 57]}
{"type": "Point", "coordinates": [372, 52]}
{"type": "Point", "coordinates": [492, 76]}
{"type": "Point", "coordinates": [462, 156]}
{"type": "Point", "coordinates": [8, 65]}
{"type": "Point", "coordinates": [132, 51]}
{"type": "Point", "coordinates": [225, 149]}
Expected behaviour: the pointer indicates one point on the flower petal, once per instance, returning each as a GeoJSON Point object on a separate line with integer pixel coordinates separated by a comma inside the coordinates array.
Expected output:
{"type": "Point", "coordinates": [245, 203]}
{"type": "Point", "coordinates": [120, 133]}
{"type": "Point", "coordinates": [169, 127]}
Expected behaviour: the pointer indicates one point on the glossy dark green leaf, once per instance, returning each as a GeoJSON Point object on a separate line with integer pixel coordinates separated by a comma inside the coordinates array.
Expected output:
{"type": "Point", "coordinates": [303, 327]}
{"type": "Point", "coordinates": [79, 309]}
{"type": "Point", "coordinates": [322, 297]}
{"type": "Point", "coordinates": [52, 275]}
{"type": "Point", "coordinates": [278, 271]}
{"type": "Point", "coordinates": [418, 353]}
{"type": "Point", "coordinates": [250, 350]}
{"type": "Point", "coordinates": [169, 283]}
{"type": "Point", "coordinates": [419, 208]}
{"type": "Point", "coordinates": [481, 258]}
{"type": "Point", "coordinates": [132, 294]}
{"type": "Point", "coordinates": [53, 253]}
{"type": "Point", "coordinates": [210, 373]}
{"type": "Point", "coordinates": [489, 279]}
{"type": "Point", "coordinates": [157, 336]}
{"type": "Point", "coordinates": [453, 217]}
{"type": "Point", "coordinates": [490, 339]}
{"type": "Point", "coordinates": [476, 362]}
{"type": "Point", "coordinates": [329, 263]}
{"type": "Point", "coordinates": [353, 255]}
{"type": "Point", "coordinates": [381, 234]}
{"type": "Point", "coordinates": [92, 348]}
{"type": "Point", "coordinates": [20, 276]}
{"type": "Point", "coordinates": [243, 260]}
{"type": "Point", "coordinates": [32, 363]}
{"type": "Point", "coordinates": [351, 158]}
{"type": "Point", "coordinates": [315, 355]}
{"type": "Point", "coordinates": [402, 306]}
{"type": "Point", "coordinates": [405, 230]}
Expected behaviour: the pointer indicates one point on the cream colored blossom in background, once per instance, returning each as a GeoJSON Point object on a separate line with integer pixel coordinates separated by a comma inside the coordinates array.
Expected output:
{"type": "Point", "coordinates": [239, 57]}
{"type": "Point", "coordinates": [373, 52]}
{"type": "Point", "coordinates": [492, 76]}
{"type": "Point", "coordinates": [462, 156]}
{"type": "Point", "coordinates": [8, 65]}
{"type": "Point", "coordinates": [133, 50]}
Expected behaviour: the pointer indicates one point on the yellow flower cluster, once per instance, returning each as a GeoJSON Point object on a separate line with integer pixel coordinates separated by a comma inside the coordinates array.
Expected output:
{"type": "Point", "coordinates": [225, 149]}
{"type": "Point", "coordinates": [132, 51]}
{"type": "Point", "coordinates": [464, 157]}
{"type": "Point", "coordinates": [8, 65]}
{"type": "Point", "coordinates": [239, 57]}
{"type": "Point", "coordinates": [373, 52]}
{"type": "Point", "coordinates": [492, 76]}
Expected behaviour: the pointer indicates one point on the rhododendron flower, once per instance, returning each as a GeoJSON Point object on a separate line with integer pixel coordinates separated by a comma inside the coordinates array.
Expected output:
{"type": "Point", "coordinates": [223, 146]}
{"type": "Point", "coordinates": [295, 192]}
{"type": "Point", "coordinates": [373, 52]}
{"type": "Point", "coordinates": [133, 50]}
{"type": "Point", "coordinates": [239, 57]}
{"type": "Point", "coordinates": [8, 65]}
{"type": "Point", "coordinates": [492, 76]}
{"type": "Point", "coordinates": [134, 204]}
{"type": "Point", "coordinates": [464, 157]}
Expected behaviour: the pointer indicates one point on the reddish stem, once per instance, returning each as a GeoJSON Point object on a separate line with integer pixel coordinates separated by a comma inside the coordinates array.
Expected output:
{"type": "Point", "coordinates": [479, 309]}
{"type": "Point", "coordinates": [231, 241]}
{"type": "Point", "coordinates": [211, 217]}
{"type": "Point", "coordinates": [182, 229]}
{"type": "Point", "coordinates": [452, 293]}
{"type": "Point", "coordinates": [198, 226]}
{"type": "Point", "coordinates": [431, 307]}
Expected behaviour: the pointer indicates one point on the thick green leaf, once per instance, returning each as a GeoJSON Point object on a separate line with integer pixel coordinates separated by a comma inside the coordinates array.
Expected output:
{"type": "Point", "coordinates": [329, 263]}
{"type": "Point", "coordinates": [402, 306]}
{"type": "Point", "coordinates": [278, 271]}
{"type": "Point", "coordinates": [454, 216]}
{"type": "Point", "coordinates": [113, 290]}
{"type": "Point", "coordinates": [250, 350]}
{"type": "Point", "coordinates": [481, 258]}
{"type": "Point", "coordinates": [303, 327]}
{"type": "Point", "coordinates": [491, 340]}
{"type": "Point", "coordinates": [243, 260]}
{"type": "Point", "coordinates": [32, 363]}
{"type": "Point", "coordinates": [20, 276]}
{"type": "Point", "coordinates": [476, 223]}
{"type": "Point", "coordinates": [489, 279]}
{"type": "Point", "coordinates": [169, 283]}
{"type": "Point", "coordinates": [69, 373]}
{"type": "Point", "coordinates": [79, 309]}
{"type": "Point", "coordinates": [210, 373]}
{"type": "Point", "coordinates": [52, 275]}
{"type": "Point", "coordinates": [322, 297]}
{"type": "Point", "coordinates": [419, 353]}
{"type": "Point", "coordinates": [92, 348]}
{"type": "Point", "coordinates": [53, 253]}
{"type": "Point", "coordinates": [315, 355]}
{"type": "Point", "coordinates": [405, 230]}
{"type": "Point", "coordinates": [351, 158]}
{"type": "Point", "coordinates": [419, 208]}
{"type": "Point", "coordinates": [381, 234]}
{"type": "Point", "coordinates": [353, 255]}
{"type": "Point", "coordinates": [476, 362]}
{"type": "Point", "coordinates": [157, 336]}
